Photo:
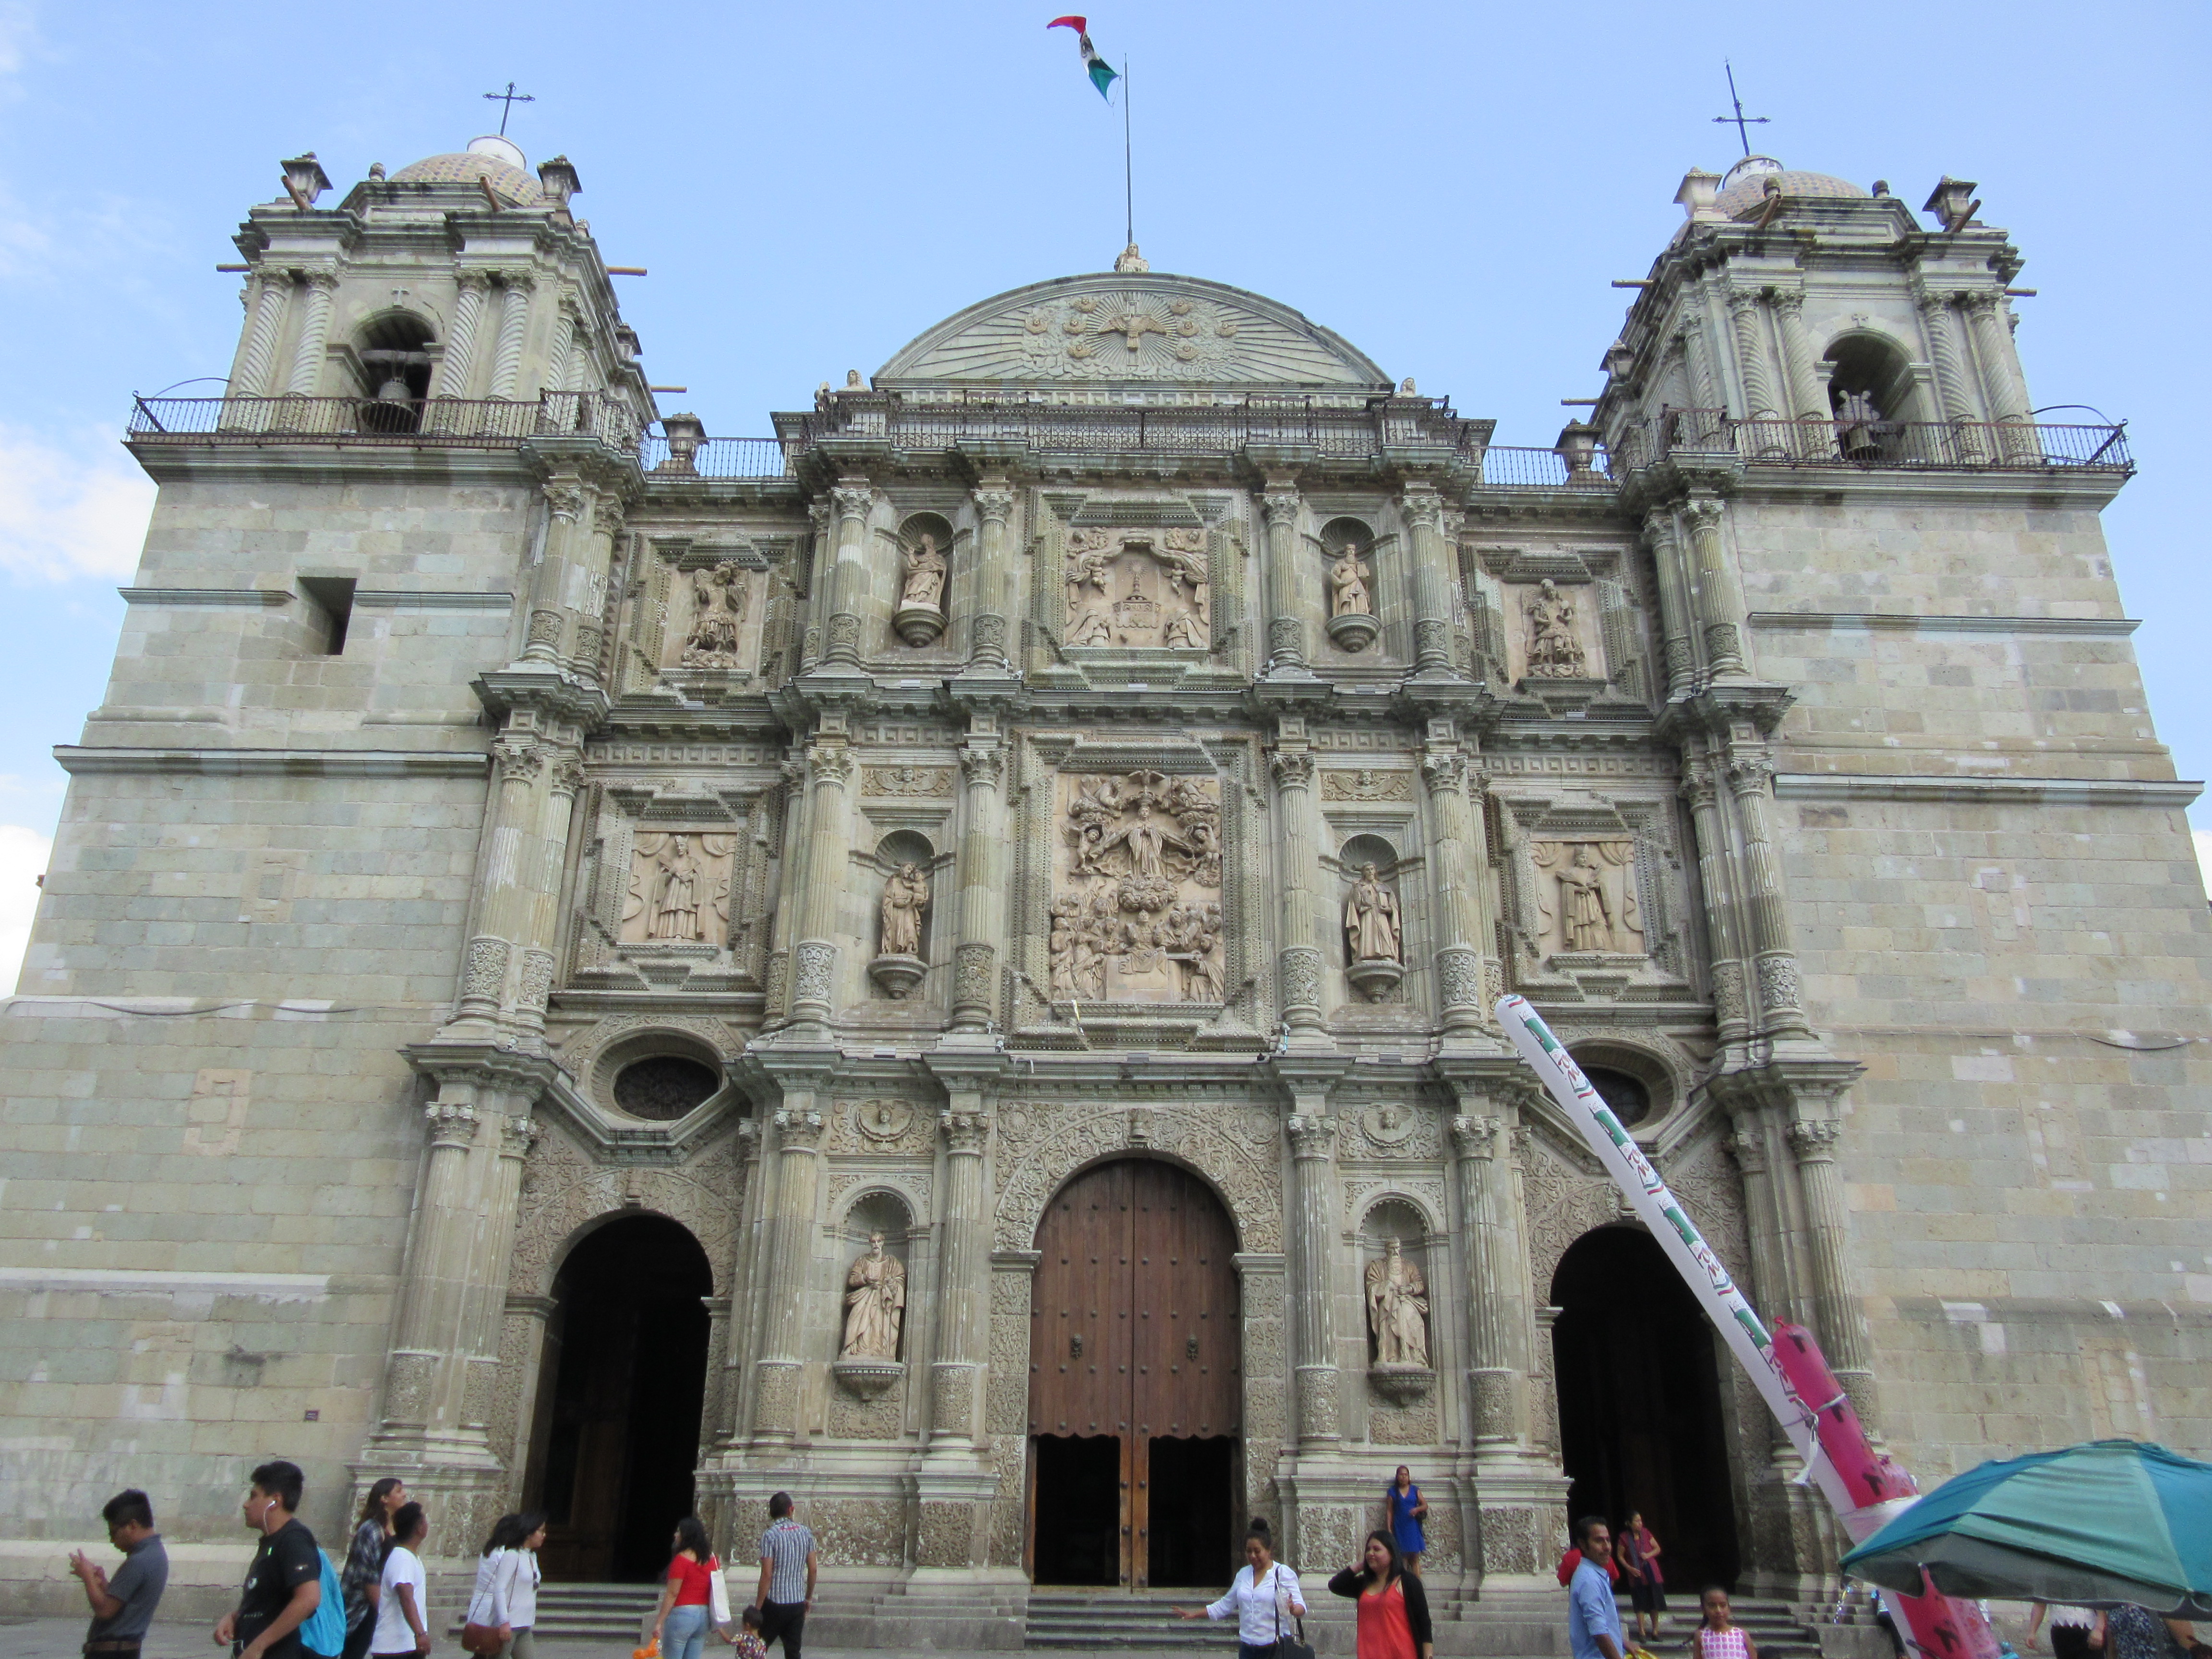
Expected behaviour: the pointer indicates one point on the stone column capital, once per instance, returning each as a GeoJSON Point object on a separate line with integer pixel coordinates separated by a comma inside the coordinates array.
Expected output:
{"type": "Point", "coordinates": [520, 279]}
{"type": "Point", "coordinates": [519, 757]}
{"type": "Point", "coordinates": [994, 502]}
{"type": "Point", "coordinates": [1279, 504]}
{"type": "Point", "coordinates": [1789, 301]}
{"type": "Point", "coordinates": [1705, 512]}
{"type": "Point", "coordinates": [1933, 301]}
{"type": "Point", "coordinates": [322, 281]}
{"type": "Point", "coordinates": [853, 501]}
{"type": "Point", "coordinates": [568, 776]}
{"type": "Point", "coordinates": [473, 281]}
{"type": "Point", "coordinates": [1311, 1135]}
{"type": "Point", "coordinates": [1749, 1147]}
{"type": "Point", "coordinates": [1749, 775]}
{"type": "Point", "coordinates": [517, 1136]}
{"type": "Point", "coordinates": [1981, 301]}
{"type": "Point", "coordinates": [798, 1130]}
{"type": "Point", "coordinates": [1740, 299]}
{"type": "Point", "coordinates": [1444, 770]}
{"type": "Point", "coordinates": [566, 498]}
{"type": "Point", "coordinates": [452, 1124]}
{"type": "Point", "coordinates": [829, 762]}
{"type": "Point", "coordinates": [966, 1132]}
{"type": "Point", "coordinates": [1422, 508]}
{"type": "Point", "coordinates": [1476, 1137]}
{"type": "Point", "coordinates": [1814, 1139]}
{"type": "Point", "coordinates": [1292, 768]}
{"type": "Point", "coordinates": [983, 762]}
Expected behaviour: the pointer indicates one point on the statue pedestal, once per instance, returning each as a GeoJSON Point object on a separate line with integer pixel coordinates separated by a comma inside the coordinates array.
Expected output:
{"type": "Point", "coordinates": [898, 975]}
{"type": "Point", "coordinates": [918, 624]}
{"type": "Point", "coordinates": [1375, 977]}
{"type": "Point", "coordinates": [1354, 630]}
{"type": "Point", "coordinates": [865, 1378]}
{"type": "Point", "coordinates": [1401, 1385]}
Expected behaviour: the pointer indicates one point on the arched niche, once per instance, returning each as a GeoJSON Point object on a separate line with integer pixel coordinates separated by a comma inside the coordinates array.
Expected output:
{"type": "Point", "coordinates": [1870, 382]}
{"type": "Point", "coordinates": [923, 580]}
{"type": "Point", "coordinates": [1371, 916]}
{"type": "Point", "coordinates": [872, 1212]}
{"type": "Point", "coordinates": [1354, 604]}
{"type": "Point", "coordinates": [391, 352]}
{"type": "Point", "coordinates": [1394, 1218]}
{"type": "Point", "coordinates": [901, 925]}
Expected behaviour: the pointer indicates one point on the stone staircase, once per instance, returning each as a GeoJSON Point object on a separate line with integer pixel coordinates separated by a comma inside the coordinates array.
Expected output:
{"type": "Point", "coordinates": [607, 1613]}
{"type": "Point", "coordinates": [1778, 1630]}
{"type": "Point", "coordinates": [1120, 1621]}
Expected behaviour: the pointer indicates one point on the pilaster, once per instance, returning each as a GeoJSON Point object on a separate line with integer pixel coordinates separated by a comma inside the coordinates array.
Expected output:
{"type": "Point", "coordinates": [1298, 959]}
{"type": "Point", "coordinates": [1312, 1135]}
{"type": "Point", "coordinates": [780, 1372]}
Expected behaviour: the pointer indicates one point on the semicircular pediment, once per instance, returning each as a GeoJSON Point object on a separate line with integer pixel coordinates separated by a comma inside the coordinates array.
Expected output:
{"type": "Point", "coordinates": [1127, 328]}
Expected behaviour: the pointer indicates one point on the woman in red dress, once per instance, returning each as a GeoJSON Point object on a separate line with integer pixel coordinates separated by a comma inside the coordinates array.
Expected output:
{"type": "Point", "coordinates": [1393, 1608]}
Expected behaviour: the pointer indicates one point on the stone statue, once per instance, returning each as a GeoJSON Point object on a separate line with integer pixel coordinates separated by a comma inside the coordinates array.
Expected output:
{"type": "Point", "coordinates": [675, 907]}
{"type": "Point", "coordinates": [1183, 632]}
{"type": "Point", "coordinates": [713, 641]}
{"type": "Point", "coordinates": [1585, 914]}
{"type": "Point", "coordinates": [875, 1304]}
{"type": "Point", "coordinates": [925, 575]}
{"type": "Point", "coordinates": [1554, 653]}
{"type": "Point", "coordinates": [1060, 949]}
{"type": "Point", "coordinates": [1370, 920]}
{"type": "Point", "coordinates": [905, 894]}
{"type": "Point", "coordinates": [1347, 586]}
{"type": "Point", "coordinates": [1397, 1308]}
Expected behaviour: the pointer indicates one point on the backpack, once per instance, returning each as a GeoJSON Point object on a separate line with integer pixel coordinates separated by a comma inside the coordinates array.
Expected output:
{"type": "Point", "coordinates": [324, 1631]}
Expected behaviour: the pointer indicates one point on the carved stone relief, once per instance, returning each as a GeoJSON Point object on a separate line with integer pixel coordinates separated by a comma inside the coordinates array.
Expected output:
{"type": "Point", "coordinates": [927, 781]}
{"type": "Point", "coordinates": [1136, 907]}
{"type": "Point", "coordinates": [1138, 588]}
{"type": "Point", "coordinates": [1343, 783]}
{"type": "Point", "coordinates": [716, 598]}
{"type": "Point", "coordinates": [1586, 897]}
{"type": "Point", "coordinates": [1552, 631]}
{"type": "Point", "coordinates": [563, 1189]}
{"type": "Point", "coordinates": [679, 889]}
{"type": "Point", "coordinates": [1041, 1145]}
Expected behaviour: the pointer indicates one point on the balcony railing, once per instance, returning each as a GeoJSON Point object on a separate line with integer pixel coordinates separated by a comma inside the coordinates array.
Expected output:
{"type": "Point", "coordinates": [1508, 468]}
{"type": "Point", "coordinates": [715, 458]}
{"type": "Point", "coordinates": [486, 422]}
{"type": "Point", "coordinates": [1882, 446]}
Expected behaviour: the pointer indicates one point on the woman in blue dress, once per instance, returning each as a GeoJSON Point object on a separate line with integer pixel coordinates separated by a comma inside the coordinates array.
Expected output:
{"type": "Point", "coordinates": [1406, 1507]}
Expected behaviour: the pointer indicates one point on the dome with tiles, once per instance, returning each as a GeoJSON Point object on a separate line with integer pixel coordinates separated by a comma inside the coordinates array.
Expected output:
{"type": "Point", "coordinates": [494, 161]}
{"type": "Point", "coordinates": [1745, 189]}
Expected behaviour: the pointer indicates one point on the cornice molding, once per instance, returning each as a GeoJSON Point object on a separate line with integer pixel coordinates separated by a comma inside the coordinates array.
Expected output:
{"type": "Point", "coordinates": [2164, 793]}
{"type": "Point", "coordinates": [80, 760]}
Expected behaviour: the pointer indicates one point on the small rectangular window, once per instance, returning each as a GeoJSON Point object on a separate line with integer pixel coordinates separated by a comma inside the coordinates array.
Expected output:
{"type": "Point", "coordinates": [333, 597]}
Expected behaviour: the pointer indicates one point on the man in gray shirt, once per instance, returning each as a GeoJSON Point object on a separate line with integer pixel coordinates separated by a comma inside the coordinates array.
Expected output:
{"type": "Point", "coordinates": [122, 1607]}
{"type": "Point", "coordinates": [787, 1577]}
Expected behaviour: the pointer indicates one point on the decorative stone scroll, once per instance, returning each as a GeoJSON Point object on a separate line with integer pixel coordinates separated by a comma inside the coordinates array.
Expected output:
{"type": "Point", "coordinates": [1136, 909]}
{"type": "Point", "coordinates": [1138, 589]}
{"type": "Point", "coordinates": [679, 889]}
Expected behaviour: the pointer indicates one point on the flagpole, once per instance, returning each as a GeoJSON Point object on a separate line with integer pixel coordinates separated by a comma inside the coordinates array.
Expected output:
{"type": "Point", "coordinates": [1128, 185]}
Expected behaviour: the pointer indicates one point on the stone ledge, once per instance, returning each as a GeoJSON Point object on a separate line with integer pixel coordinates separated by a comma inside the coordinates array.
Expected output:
{"type": "Point", "coordinates": [78, 760]}
{"type": "Point", "coordinates": [1988, 792]}
{"type": "Point", "coordinates": [1874, 621]}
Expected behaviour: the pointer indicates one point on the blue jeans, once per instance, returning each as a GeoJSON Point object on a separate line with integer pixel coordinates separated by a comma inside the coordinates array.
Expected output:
{"type": "Point", "coordinates": [684, 1635]}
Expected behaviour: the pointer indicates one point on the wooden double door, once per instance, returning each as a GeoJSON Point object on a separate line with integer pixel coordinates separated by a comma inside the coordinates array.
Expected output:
{"type": "Point", "coordinates": [1135, 1382]}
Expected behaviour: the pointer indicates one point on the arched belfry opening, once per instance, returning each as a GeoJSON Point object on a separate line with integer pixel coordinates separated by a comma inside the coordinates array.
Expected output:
{"type": "Point", "coordinates": [1641, 1427]}
{"type": "Point", "coordinates": [1136, 1382]}
{"type": "Point", "coordinates": [616, 1434]}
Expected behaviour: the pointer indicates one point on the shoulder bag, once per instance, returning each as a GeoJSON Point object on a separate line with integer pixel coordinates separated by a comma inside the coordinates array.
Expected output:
{"type": "Point", "coordinates": [1285, 1648]}
{"type": "Point", "coordinates": [483, 1640]}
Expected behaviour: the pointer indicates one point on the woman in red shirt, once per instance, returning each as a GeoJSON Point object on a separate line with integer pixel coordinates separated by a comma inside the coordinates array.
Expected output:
{"type": "Point", "coordinates": [686, 1599]}
{"type": "Point", "coordinates": [1393, 1608]}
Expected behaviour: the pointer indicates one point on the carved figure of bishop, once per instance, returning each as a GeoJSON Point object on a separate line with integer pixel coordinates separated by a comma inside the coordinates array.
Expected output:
{"type": "Point", "coordinates": [925, 575]}
{"type": "Point", "coordinates": [675, 893]}
{"type": "Point", "coordinates": [1554, 653]}
{"type": "Point", "coordinates": [875, 1304]}
{"type": "Point", "coordinates": [905, 895]}
{"type": "Point", "coordinates": [1347, 584]}
{"type": "Point", "coordinates": [1370, 920]}
{"type": "Point", "coordinates": [1397, 1308]}
{"type": "Point", "coordinates": [1586, 914]}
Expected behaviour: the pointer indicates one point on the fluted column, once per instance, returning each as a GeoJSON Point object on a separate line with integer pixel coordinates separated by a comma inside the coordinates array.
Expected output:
{"type": "Point", "coordinates": [259, 357]}
{"type": "Point", "coordinates": [513, 331]}
{"type": "Point", "coordinates": [1701, 787]}
{"type": "Point", "coordinates": [792, 770]}
{"type": "Point", "coordinates": [1496, 1291]}
{"type": "Point", "coordinates": [562, 570]}
{"type": "Point", "coordinates": [1298, 861]}
{"type": "Point", "coordinates": [1845, 1339]}
{"type": "Point", "coordinates": [1465, 965]}
{"type": "Point", "coordinates": [314, 335]}
{"type": "Point", "coordinates": [461, 339]}
{"type": "Point", "coordinates": [1780, 1001]}
{"type": "Point", "coordinates": [962, 1313]}
{"type": "Point", "coordinates": [982, 885]}
{"type": "Point", "coordinates": [814, 957]}
{"type": "Point", "coordinates": [1293, 589]}
{"type": "Point", "coordinates": [1761, 401]}
{"type": "Point", "coordinates": [1720, 601]}
{"type": "Point", "coordinates": [845, 585]}
{"type": "Point", "coordinates": [1423, 511]}
{"type": "Point", "coordinates": [1313, 1199]}
{"type": "Point", "coordinates": [1677, 625]}
{"type": "Point", "coordinates": [781, 1369]}
{"type": "Point", "coordinates": [514, 859]}
{"type": "Point", "coordinates": [986, 637]}
{"type": "Point", "coordinates": [557, 812]}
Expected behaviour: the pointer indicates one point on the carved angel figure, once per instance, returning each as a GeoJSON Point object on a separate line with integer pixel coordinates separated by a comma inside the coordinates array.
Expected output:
{"type": "Point", "coordinates": [1586, 914]}
{"type": "Point", "coordinates": [675, 907]}
{"type": "Point", "coordinates": [1554, 653]}
{"type": "Point", "coordinates": [1397, 1308]}
{"type": "Point", "coordinates": [1347, 586]}
{"type": "Point", "coordinates": [875, 1304]}
{"type": "Point", "coordinates": [1370, 920]}
{"type": "Point", "coordinates": [925, 575]}
{"type": "Point", "coordinates": [713, 635]}
{"type": "Point", "coordinates": [905, 894]}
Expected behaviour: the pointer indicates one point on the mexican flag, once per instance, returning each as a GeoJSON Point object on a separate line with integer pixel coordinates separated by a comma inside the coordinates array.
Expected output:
{"type": "Point", "coordinates": [1101, 72]}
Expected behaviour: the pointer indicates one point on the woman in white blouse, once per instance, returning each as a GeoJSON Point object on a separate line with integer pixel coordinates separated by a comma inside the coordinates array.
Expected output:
{"type": "Point", "coordinates": [1264, 1600]}
{"type": "Point", "coordinates": [505, 1597]}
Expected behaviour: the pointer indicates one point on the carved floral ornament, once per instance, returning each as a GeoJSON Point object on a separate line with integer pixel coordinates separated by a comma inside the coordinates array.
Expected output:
{"type": "Point", "coordinates": [1136, 910]}
{"type": "Point", "coordinates": [1140, 589]}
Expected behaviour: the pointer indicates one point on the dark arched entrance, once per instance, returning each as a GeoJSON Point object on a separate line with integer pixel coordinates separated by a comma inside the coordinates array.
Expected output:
{"type": "Point", "coordinates": [617, 1428]}
{"type": "Point", "coordinates": [1640, 1425]}
{"type": "Point", "coordinates": [1135, 1382]}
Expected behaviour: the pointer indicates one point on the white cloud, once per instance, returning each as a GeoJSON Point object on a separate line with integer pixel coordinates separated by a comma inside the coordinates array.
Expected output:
{"type": "Point", "coordinates": [23, 855]}
{"type": "Point", "coordinates": [18, 29]}
{"type": "Point", "coordinates": [73, 508]}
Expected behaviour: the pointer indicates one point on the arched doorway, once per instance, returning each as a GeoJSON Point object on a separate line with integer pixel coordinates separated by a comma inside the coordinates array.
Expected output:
{"type": "Point", "coordinates": [1136, 1382]}
{"type": "Point", "coordinates": [616, 1434]}
{"type": "Point", "coordinates": [1640, 1423]}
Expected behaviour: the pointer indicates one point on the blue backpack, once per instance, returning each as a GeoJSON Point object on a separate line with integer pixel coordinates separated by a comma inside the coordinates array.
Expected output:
{"type": "Point", "coordinates": [324, 1631]}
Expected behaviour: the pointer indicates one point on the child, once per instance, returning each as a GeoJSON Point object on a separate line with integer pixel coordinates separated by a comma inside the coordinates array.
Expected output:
{"type": "Point", "coordinates": [746, 1638]}
{"type": "Point", "coordinates": [1718, 1637]}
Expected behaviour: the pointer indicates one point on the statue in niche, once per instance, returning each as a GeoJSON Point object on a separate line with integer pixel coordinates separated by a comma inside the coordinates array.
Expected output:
{"type": "Point", "coordinates": [925, 575]}
{"type": "Point", "coordinates": [1370, 920]}
{"type": "Point", "coordinates": [675, 904]}
{"type": "Point", "coordinates": [1585, 913]}
{"type": "Point", "coordinates": [1397, 1308]}
{"type": "Point", "coordinates": [906, 894]}
{"type": "Point", "coordinates": [1554, 653]}
{"type": "Point", "coordinates": [875, 1304]}
{"type": "Point", "coordinates": [1347, 586]}
{"type": "Point", "coordinates": [717, 598]}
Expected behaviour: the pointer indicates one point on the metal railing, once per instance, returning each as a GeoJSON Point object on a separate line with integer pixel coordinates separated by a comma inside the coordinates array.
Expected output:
{"type": "Point", "coordinates": [716, 457]}
{"type": "Point", "coordinates": [1880, 446]}
{"type": "Point", "coordinates": [485, 422]}
{"type": "Point", "coordinates": [1511, 468]}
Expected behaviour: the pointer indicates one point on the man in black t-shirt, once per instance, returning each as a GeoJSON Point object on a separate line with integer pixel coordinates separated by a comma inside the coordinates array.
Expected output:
{"type": "Point", "coordinates": [284, 1585]}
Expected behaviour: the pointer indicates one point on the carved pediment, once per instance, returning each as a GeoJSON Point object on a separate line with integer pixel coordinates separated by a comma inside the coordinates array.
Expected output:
{"type": "Point", "coordinates": [1130, 327]}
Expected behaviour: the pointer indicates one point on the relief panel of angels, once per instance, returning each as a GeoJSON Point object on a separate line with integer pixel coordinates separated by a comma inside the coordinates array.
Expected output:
{"type": "Point", "coordinates": [679, 889]}
{"type": "Point", "coordinates": [1136, 907]}
{"type": "Point", "coordinates": [1138, 589]}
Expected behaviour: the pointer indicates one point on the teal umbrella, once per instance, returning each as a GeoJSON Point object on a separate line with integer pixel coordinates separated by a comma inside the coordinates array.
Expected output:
{"type": "Point", "coordinates": [2113, 1520]}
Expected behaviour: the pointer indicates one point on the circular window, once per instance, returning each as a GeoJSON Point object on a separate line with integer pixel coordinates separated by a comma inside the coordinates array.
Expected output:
{"type": "Point", "coordinates": [1630, 1100]}
{"type": "Point", "coordinates": [665, 1086]}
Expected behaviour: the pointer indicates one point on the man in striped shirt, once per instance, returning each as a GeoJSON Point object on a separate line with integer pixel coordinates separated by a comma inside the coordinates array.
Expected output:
{"type": "Point", "coordinates": [786, 1579]}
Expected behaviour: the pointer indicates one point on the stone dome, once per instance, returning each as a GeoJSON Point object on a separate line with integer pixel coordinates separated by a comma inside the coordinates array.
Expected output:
{"type": "Point", "coordinates": [1745, 189]}
{"type": "Point", "coordinates": [488, 159]}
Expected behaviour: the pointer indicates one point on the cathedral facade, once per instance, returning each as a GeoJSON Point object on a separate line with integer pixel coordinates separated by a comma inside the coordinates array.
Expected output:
{"type": "Point", "coordinates": [943, 961]}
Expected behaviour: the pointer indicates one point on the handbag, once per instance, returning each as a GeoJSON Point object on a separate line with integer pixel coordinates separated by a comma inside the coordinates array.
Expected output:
{"type": "Point", "coordinates": [1285, 1647]}
{"type": "Point", "coordinates": [483, 1640]}
{"type": "Point", "coordinates": [718, 1593]}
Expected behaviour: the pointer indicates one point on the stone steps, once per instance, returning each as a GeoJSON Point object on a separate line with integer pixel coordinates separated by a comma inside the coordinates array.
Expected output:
{"type": "Point", "coordinates": [602, 1611]}
{"type": "Point", "coordinates": [1119, 1621]}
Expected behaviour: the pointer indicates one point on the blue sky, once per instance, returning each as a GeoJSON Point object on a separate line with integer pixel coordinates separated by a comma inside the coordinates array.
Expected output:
{"type": "Point", "coordinates": [1450, 187]}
